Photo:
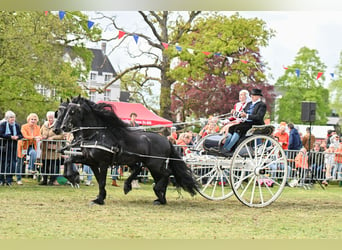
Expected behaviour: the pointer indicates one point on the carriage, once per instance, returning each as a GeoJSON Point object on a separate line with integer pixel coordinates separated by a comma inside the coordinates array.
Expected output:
{"type": "Point", "coordinates": [256, 172]}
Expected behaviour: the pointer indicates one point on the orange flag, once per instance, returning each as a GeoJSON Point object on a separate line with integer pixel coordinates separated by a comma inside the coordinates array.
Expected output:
{"type": "Point", "coordinates": [245, 62]}
{"type": "Point", "coordinates": [206, 53]}
{"type": "Point", "coordinates": [319, 74]}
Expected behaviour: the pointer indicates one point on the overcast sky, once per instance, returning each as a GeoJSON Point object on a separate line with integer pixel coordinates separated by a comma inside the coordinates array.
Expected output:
{"type": "Point", "coordinates": [294, 29]}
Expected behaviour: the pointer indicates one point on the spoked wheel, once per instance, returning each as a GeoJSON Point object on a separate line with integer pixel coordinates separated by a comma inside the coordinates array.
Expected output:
{"type": "Point", "coordinates": [213, 179]}
{"type": "Point", "coordinates": [211, 173]}
{"type": "Point", "coordinates": [258, 171]}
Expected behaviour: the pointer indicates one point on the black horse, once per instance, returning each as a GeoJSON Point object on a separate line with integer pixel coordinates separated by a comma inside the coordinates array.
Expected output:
{"type": "Point", "coordinates": [106, 140]}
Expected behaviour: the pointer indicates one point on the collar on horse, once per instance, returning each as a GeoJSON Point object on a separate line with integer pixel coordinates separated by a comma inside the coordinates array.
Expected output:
{"type": "Point", "coordinates": [86, 128]}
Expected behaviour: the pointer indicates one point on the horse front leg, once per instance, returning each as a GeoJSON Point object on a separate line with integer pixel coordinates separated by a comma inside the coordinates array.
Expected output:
{"type": "Point", "coordinates": [71, 173]}
{"type": "Point", "coordinates": [100, 174]}
{"type": "Point", "coordinates": [136, 168]}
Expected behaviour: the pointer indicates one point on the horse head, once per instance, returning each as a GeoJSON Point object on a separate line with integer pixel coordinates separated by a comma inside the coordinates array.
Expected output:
{"type": "Point", "coordinates": [59, 116]}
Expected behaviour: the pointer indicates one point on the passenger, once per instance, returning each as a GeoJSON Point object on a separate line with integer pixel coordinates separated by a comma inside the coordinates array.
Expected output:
{"type": "Point", "coordinates": [253, 114]}
{"type": "Point", "coordinates": [10, 132]}
{"type": "Point", "coordinates": [244, 98]}
{"type": "Point", "coordinates": [183, 141]}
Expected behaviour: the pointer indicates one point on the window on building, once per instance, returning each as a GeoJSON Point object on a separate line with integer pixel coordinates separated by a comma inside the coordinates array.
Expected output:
{"type": "Point", "coordinates": [106, 96]}
{"type": "Point", "coordinates": [93, 76]}
{"type": "Point", "coordinates": [41, 90]}
{"type": "Point", "coordinates": [92, 95]}
{"type": "Point", "coordinates": [107, 78]}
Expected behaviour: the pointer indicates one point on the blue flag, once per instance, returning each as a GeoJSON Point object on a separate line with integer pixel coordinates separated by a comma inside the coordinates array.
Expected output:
{"type": "Point", "coordinates": [90, 24]}
{"type": "Point", "coordinates": [297, 72]}
{"type": "Point", "coordinates": [61, 14]}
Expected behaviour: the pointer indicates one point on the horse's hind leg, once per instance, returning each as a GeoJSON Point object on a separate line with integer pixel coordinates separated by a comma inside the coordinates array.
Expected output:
{"type": "Point", "coordinates": [160, 190]}
{"type": "Point", "coordinates": [136, 168]}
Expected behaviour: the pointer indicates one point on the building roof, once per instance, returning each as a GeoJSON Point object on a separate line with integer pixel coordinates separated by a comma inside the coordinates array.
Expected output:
{"type": "Point", "coordinates": [144, 116]}
{"type": "Point", "coordinates": [101, 62]}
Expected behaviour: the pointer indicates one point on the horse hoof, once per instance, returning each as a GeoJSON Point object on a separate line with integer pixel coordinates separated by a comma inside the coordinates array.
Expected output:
{"type": "Point", "coordinates": [156, 202]}
{"type": "Point", "coordinates": [127, 189]}
{"type": "Point", "coordinates": [96, 202]}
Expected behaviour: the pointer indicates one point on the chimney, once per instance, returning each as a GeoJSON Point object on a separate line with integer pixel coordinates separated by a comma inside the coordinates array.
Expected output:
{"type": "Point", "coordinates": [103, 48]}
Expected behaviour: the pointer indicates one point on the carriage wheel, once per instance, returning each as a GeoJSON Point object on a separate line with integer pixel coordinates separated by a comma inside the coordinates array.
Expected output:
{"type": "Point", "coordinates": [258, 171]}
{"type": "Point", "coordinates": [212, 175]}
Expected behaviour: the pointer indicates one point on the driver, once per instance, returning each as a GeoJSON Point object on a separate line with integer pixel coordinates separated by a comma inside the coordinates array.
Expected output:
{"type": "Point", "coordinates": [253, 113]}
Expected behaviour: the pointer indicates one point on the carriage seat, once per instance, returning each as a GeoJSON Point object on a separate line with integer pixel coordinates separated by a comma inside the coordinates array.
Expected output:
{"type": "Point", "coordinates": [260, 130]}
{"type": "Point", "coordinates": [213, 142]}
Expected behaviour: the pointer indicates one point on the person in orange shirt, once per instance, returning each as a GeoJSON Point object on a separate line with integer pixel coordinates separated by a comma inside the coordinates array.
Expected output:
{"type": "Point", "coordinates": [32, 135]}
{"type": "Point", "coordinates": [301, 162]}
{"type": "Point", "coordinates": [338, 160]}
{"type": "Point", "coordinates": [283, 137]}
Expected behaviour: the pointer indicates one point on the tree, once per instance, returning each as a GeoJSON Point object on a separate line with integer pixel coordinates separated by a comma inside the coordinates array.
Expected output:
{"type": "Point", "coordinates": [32, 46]}
{"type": "Point", "coordinates": [299, 83]}
{"type": "Point", "coordinates": [216, 33]}
{"type": "Point", "coordinates": [335, 88]}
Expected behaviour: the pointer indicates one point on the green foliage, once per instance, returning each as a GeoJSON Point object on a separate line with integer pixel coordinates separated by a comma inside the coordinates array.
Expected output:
{"type": "Point", "coordinates": [305, 87]}
{"type": "Point", "coordinates": [32, 46]}
{"type": "Point", "coordinates": [335, 88]}
{"type": "Point", "coordinates": [224, 35]}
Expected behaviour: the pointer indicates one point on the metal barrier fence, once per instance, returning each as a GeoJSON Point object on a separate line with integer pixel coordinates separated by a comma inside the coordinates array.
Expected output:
{"type": "Point", "coordinates": [20, 160]}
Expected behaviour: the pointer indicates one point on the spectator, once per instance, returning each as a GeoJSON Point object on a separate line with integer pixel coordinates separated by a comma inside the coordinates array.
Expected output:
{"type": "Point", "coordinates": [49, 151]}
{"type": "Point", "coordinates": [115, 175]}
{"type": "Point", "coordinates": [132, 122]}
{"type": "Point", "coordinates": [283, 137]}
{"type": "Point", "coordinates": [253, 113]}
{"type": "Point", "coordinates": [31, 132]}
{"type": "Point", "coordinates": [329, 135]}
{"type": "Point", "coordinates": [301, 162]}
{"type": "Point", "coordinates": [10, 132]}
{"type": "Point", "coordinates": [316, 160]}
{"type": "Point", "coordinates": [337, 171]}
{"type": "Point", "coordinates": [335, 139]}
{"type": "Point", "coordinates": [295, 143]}
{"type": "Point", "coordinates": [323, 145]}
{"type": "Point", "coordinates": [308, 140]}
{"type": "Point", "coordinates": [329, 161]}
{"type": "Point", "coordinates": [89, 173]}
{"type": "Point", "coordinates": [183, 141]}
{"type": "Point", "coordinates": [210, 129]}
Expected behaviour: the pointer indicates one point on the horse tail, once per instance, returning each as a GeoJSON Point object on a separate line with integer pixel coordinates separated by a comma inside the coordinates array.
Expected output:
{"type": "Point", "coordinates": [181, 172]}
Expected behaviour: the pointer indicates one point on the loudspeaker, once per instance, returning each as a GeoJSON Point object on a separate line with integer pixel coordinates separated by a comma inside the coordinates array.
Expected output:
{"type": "Point", "coordinates": [308, 111]}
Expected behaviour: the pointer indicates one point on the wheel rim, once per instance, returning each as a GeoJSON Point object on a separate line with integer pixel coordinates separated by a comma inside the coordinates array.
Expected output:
{"type": "Point", "coordinates": [213, 180]}
{"type": "Point", "coordinates": [258, 173]}
{"type": "Point", "coordinates": [212, 175]}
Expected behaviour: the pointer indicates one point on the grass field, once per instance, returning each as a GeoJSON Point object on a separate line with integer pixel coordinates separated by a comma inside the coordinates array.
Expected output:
{"type": "Point", "coordinates": [44, 212]}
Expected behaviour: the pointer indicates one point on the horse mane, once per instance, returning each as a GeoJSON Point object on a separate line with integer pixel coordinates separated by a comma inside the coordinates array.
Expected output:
{"type": "Point", "coordinates": [104, 111]}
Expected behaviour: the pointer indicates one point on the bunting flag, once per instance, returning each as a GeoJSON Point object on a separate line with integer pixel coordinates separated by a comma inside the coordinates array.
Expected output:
{"type": "Point", "coordinates": [191, 51]}
{"type": "Point", "coordinates": [319, 74]}
{"type": "Point", "coordinates": [136, 37]}
{"type": "Point", "coordinates": [166, 45]}
{"type": "Point", "coordinates": [121, 34]}
{"type": "Point", "coordinates": [230, 59]}
{"type": "Point", "coordinates": [90, 24]}
{"type": "Point", "coordinates": [297, 72]}
{"type": "Point", "coordinates": [61, 14]}
{"type": "Point", "coordinates": [46, 13]}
